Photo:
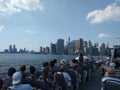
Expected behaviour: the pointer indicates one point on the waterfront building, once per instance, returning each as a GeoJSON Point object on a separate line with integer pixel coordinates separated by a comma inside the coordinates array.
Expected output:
{"type": "Point", "coordinates": [79, 46]}
{"type": "Point", "coordinates": [102, 49]}
{"type": "Point", "coordinates": [53, 48]}
{"type": "Point", "coordinates": [14, 49]}
{"type": "Point", "coordinates": [67, 46]}
{"type": "Point", "coordinates": [60, 46]}
{"type": "Point", "coordinates": [89, 44]}
{"type": "Point", "coordinates": [95, 51]}
{"type": "Point", "coordinates": [10, 48]}
{"type": "Point", "coordinates": [47, 50]}
{"type": "Point", "coordinates": [85, 46]}
{"type": "Point", "coordinates": [71, 47]}
{"type": "Point", "coordinates": [6, 50]}
{"type": "Point", "coordinates": [90, 51]}
{"type": "Point", "coordinates": [40, 49]}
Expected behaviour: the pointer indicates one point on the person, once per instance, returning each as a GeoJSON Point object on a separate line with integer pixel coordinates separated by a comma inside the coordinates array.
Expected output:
{"type": "Point", "coordinates": [8, 79]}
{"type": "Point", "coordinates": [110, 78]}
{"type": "Point", "coordinates": [16, 81]}
{"type": "Point", "coordinates": [104, 67]}
{"type": "Point", "coordinates": [63, 62]}
{"type": "Point", "coordinates": [62, 78]}
{"type": "Point", "coordinates": [111, 65]}
{"type": "Point", "coordinates": [32, 71]}
{"type": "Point", "coordinates": [1, 84]}
{"type": "Point", "coordinates": [23, 71]}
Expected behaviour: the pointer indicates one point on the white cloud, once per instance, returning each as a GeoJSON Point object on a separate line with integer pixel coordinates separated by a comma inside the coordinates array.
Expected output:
{"type": "Point", "coordinates": [7, 9]}
{"type": "Point", "coordinates": [2, 27]}
{"type": "Point", "coordinates": [27, 4]}
{"type": "Point", "coordinates": [110, 13]}
{"type": "Point", "coordinates": [104, 35]}
{"type": "Point", "coordinates": [30, 31]}
{"type": "Point", "coordinates": [10, 7]}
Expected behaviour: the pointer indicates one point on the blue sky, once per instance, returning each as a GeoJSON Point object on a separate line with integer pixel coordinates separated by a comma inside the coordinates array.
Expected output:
{"type": "Point", "coordinates": [35, 23]}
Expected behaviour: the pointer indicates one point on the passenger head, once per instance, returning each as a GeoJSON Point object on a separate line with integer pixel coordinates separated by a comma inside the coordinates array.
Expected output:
{"type": "Point", "coordinates": [32, 69]}
{"type": "Point", "coordinates": [74, 62]}
{"type": "Point", "coordinates": [45, 64]}
{"type": "Point", "coordinates": [54, 60]}
{"type": "Point", "coordinates": [63, 68]}
{"type": "Point", "coordinates": [85, 60]}
{"type": "Point", "coordinates": [52, 64]}
{"type": "Point", "coordinates": [63, 62]}
{"type": "Point", "coordinates": [111, 71]}
{"type": "Point", "coordinates": [107, 62]}
{"type": "Point", "coordinates": [23, 68]}
{"type": "Point", "coordinates": [81, 55]}
{"type": "Point", "coordinates": [1, 83]}
{"type": "Point", "coordinates": [16, 78]}
{"type": "Point", "coordinates": [45, 72]}
{"type": "Point", "coordinates": [11, 71]}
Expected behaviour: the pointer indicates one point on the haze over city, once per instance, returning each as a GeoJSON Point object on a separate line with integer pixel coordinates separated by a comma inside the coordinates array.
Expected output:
{"type": "Point", "coordinates": [35, 23]}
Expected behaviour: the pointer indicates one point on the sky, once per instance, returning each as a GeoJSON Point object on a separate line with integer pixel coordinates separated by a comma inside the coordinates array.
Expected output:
{"type": "Point", "coordinates": [34, 23]}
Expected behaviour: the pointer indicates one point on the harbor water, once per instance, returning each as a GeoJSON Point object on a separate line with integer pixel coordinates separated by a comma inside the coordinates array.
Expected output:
{"type": "Point", "coordinates": [16, 60]}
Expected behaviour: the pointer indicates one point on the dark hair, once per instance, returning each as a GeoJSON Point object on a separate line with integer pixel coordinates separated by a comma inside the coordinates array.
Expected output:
{"type": "Point", "coordinates": [11, 71]}
{"type": "Point", "coordinates": [54, 60]}
{"type": "Point", "coordinates": [23, 68]}
{"type": "Point", "coordinates": [1, 83]}
{"type": "Point", "coordinates": [45, 64]}
{"type": "Point", "coordinates": [32, 69]}
{"type": "Point", "coordinates": [52, 64]}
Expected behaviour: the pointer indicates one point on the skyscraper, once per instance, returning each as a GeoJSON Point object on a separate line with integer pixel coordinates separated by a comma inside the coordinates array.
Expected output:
{"type": "Point", "coordinates": [79, 46]}
{"type": "Point", "coordinates": [52, 48]}
{"type": "Point", "coordinates": [10, 48]}
{"type": "Point", "coordinates": [60, 46]}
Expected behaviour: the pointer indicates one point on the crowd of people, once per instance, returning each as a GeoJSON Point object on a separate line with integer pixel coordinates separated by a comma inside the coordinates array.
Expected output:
{"type": "Point", "coordinates": [63, 75]}
{"type": "Point", "coordinates": [111, 74]}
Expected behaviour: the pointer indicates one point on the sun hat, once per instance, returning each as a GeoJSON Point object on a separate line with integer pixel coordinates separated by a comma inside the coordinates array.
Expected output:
{"type": "Point", "coordinates": [16, 78]}
{"type": "Point", "coordinates": [63, 61]}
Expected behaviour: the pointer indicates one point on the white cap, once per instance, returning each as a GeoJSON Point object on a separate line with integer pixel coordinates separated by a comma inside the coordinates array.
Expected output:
{"type": "Point", "coordinates": [107, 58]}
{"type": "Point", "coordinates": [77, 58]}
{"type": "Point", "coordinates": [16, 78]}
{"type": "Point", "coordinates": [112, 64]}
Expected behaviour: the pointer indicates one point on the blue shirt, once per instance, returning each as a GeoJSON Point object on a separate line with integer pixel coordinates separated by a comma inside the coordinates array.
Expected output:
{"type": "Point", "coordinates": [21, 87]}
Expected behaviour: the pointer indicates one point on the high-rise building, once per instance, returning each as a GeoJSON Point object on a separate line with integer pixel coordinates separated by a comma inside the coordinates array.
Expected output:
{"type": "Point", "coordinates": [14, 49]}
{"type": "Point", "coordinates": [102, 49]}
{"type": "Point", "coordinates": [10, 49]}
{"type": "Point", "coordinates": [89, 44]}
{"type": "Point", "coordinates": [79, 46]}
{"type": "Point", "coordinates": [53, 48]}
{"type": "Point", "coordinates": [46, 50]}
{"type": "Point", "coordinates": [40, 49]}
{"type": "Point", "coordinates": [60, 46]}
{"type": "Point", "coordinates": [85, 44]}
{"type": "Point", "coordinates": [71, 47]}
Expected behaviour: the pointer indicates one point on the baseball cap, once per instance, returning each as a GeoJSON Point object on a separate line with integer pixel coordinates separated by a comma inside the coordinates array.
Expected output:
{"type": "Point", "coordinates": [112, 64]}
{"type": "Point", "coordinates": [16, 78]}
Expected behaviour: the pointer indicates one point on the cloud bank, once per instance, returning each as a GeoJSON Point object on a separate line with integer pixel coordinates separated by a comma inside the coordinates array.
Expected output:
{"type": "Point", "coordinates": [15, 6]}
{"type": "Point", "coordinates": [110, 13]}
{"type": "Point", "coordinates": [30, 31]}
{"type": "Point", "coordinates": [104, 35]}
{"type": "Point", "coordinates": [2, 27]}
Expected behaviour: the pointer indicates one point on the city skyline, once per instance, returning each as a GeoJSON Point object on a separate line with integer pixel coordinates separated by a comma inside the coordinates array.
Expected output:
{"type": "Point", "coordinates": [34, 23]}
{"type": "Point", "coordinates": [13, 48]}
